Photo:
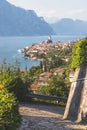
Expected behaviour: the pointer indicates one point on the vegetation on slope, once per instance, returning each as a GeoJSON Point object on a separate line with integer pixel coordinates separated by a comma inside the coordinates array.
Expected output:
{"type": "Point", "coordinates": [79, 53]}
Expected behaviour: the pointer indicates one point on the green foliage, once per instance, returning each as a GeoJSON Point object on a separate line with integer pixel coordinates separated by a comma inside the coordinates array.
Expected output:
{"type": "Point", "coordinates": [79, 53]}
{"type": "Point", "coordinates": [34, 73]}
{"type": "Point", "coordinates": [50, 63]}
{"type": "Point", "coordinates": [15, 81]}
{"type": "Point", "coordinates": [9, 114]}
{"type": "Point", "coordinates": [6, 78]}
{"type": "Point", "coordinates": [56, 87]}
{"type": "Point", "coordinates": [13, 67]}
{"type": "Point", "coordinates": [56, 62]}
{"type": "Point", "coordinates": [20, 89]}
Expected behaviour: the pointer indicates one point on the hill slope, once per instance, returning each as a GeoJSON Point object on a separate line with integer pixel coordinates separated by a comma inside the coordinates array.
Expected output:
{"type": "Point", "coordinates": [68, 26]}
{"type": "Point", "coordinates": [15, 21]}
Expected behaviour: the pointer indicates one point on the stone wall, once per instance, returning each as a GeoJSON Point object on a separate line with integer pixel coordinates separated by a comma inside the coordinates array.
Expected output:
{"type": "Point", "coordinates": [76, 108]}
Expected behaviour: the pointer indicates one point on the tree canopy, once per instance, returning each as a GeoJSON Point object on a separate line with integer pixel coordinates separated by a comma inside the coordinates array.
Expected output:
{"type": "Point", "coordinates": [56, 87]}
{"type": "Point", "coordinates": [79, 53]}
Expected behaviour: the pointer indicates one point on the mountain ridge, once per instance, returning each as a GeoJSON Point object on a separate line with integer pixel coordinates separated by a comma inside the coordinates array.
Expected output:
{"type": "Point", "coordinates": [16, 21]}
{"type": "Point", "coordinates": [68, 26]}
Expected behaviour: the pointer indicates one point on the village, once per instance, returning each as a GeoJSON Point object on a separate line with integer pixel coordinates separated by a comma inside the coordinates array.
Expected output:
{"type": "Point", "coordinates": [37, 51]}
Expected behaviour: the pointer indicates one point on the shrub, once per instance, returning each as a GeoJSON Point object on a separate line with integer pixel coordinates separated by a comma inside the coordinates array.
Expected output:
{"type": "Point", "coordinates": [9, 114]}
{"type": "Point", "coordinates": [19, 88]}
{"type": "Point", "coordinates": [14, 83]}
{"type": "Point", "coordinates": [79, 54]}
{"type": "Point", "coordinates": [56, 87]}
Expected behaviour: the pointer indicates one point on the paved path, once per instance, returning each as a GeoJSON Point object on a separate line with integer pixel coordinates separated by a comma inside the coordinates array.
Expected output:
{"type": "Point", "coordinates": [45, 117]}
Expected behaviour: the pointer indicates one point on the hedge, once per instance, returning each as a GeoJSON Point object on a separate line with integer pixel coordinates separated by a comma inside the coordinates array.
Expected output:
{"type": "Point", "coordinates": [9, 115]}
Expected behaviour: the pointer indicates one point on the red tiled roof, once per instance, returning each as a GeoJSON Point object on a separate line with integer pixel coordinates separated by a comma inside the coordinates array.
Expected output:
{"type": "Point", "coordinates": [46, 74]}
{"type": "Point", "coordinates": [35, 86]}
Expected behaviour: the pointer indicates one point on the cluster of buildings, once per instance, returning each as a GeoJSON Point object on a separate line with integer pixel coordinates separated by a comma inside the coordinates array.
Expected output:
{"type": "Point", "coordinates": [45, 47]}
{"type": "Point", "coordinates": [45, 77]}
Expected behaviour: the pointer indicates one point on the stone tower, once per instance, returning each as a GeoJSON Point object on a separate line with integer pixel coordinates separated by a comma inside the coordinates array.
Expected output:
{"type": "Point", "coordinates": [76, 108]}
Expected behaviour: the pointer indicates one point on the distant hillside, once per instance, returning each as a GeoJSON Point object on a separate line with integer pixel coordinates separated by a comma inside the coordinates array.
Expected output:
{"type": "Point", "coordinates": [68, 26]}
{"type": "Point", "coordinates": [15, 21]}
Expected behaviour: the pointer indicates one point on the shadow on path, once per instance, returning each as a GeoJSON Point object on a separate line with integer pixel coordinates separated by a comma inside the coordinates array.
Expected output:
{"type": "Point", "coordinates": [38, 116]}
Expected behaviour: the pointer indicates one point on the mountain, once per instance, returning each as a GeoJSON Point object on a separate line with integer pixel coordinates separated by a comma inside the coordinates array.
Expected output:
{"type": "Point", "coordinates": [68, 26]}
{"type": "Point", "coordinates": [15, 21]}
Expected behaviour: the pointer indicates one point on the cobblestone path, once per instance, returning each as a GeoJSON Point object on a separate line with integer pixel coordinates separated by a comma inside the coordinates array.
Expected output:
{"type": "Point", "coordinates": [45, 117]}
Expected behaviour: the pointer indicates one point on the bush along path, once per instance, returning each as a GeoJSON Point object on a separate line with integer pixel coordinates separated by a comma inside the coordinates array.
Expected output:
{"type": "Point", "coordinates": [9, 115]}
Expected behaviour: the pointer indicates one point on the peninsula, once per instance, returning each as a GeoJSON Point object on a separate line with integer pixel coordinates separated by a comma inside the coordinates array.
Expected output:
{"type": "Point", "coordinates": [38, 50]}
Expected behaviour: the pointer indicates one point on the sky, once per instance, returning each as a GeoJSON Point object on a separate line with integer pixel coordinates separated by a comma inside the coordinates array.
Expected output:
{"type": "Point", "coordinates": [53, 10]}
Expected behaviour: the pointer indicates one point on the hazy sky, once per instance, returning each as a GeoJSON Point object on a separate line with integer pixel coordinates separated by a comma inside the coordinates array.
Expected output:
{"type": "Point", "coordinates": [53, 10]}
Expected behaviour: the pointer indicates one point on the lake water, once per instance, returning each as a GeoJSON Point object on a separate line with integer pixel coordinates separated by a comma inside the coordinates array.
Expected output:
{"type": "Point", "coordinates": [9, 47]}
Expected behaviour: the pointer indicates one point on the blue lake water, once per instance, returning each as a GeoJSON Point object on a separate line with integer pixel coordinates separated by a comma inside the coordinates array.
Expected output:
{"type": "Point", "coordinates": [9, 47]}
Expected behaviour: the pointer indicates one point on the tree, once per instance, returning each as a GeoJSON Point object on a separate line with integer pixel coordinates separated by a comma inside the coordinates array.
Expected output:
{"type": "Point", "coordinates": [56, 87]}
{"type": "Point", "coordinates": [14, 80]}
{"type": "Point", "coordinates": [79, 53]}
